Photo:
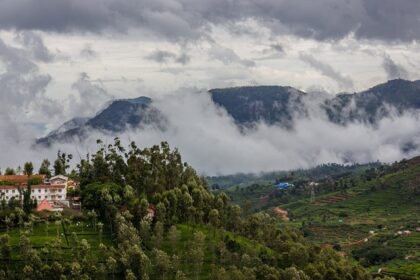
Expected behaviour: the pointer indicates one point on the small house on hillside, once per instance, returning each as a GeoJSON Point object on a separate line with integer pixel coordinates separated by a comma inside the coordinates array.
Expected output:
{"type": "Point", "coordinates": [283, 186]}
{"type": "Point", "coordinates": [44, 206]}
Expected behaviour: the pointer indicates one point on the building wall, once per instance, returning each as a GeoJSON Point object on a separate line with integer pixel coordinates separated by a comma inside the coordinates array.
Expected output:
{"type": "Point", "coordinates": [38, 193]}
{"type": "Point", "coordinates": [53, 189]}
{"type": "Point", "coordinates": [8, 192]}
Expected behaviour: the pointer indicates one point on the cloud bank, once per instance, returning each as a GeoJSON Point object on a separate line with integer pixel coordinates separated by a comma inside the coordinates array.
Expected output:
{"type": "Point", "coordinates": [192, 19]}
{"type": "Point", "coordinates": [210, 141]}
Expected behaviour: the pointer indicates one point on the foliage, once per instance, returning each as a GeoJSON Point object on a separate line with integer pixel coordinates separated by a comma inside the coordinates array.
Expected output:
{"type": "Point", "coordinates": [158, 220]}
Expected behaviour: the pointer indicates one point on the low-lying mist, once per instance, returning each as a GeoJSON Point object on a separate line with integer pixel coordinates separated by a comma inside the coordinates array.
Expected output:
{"type": "Point", "coordinates": [210, 141]}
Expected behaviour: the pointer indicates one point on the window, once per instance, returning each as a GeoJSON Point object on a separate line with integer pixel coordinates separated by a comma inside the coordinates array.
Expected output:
{"type": "Point", "coordinates": [59, 196]}
{"type": "Point", "coordinates": [7, 191]}
{"type": "Point", "coordinates": [46, 196]}
{"type": "Point", "coordinates": [39, 190]}
{"type": "Point", "coordinates": [59, 190]}
{"type": "Point", "coordinates": [39, 197]}
{"type": "Point", "coordinates": [13, 191]}
{"type": "Point", "coordinates": [46, 190]}
{"type": "Point", "coordinates": [33, 191]}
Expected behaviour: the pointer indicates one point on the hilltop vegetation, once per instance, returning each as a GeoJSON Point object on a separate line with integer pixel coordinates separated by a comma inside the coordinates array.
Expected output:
{"type": "Point", "coordinates": [148, 215]}
{"type": "Point", "coordinates": [371, 216]}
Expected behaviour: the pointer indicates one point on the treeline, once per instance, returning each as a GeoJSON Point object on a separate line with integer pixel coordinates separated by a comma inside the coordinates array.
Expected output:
{"type": "Point", "coordinates": [165, 224]}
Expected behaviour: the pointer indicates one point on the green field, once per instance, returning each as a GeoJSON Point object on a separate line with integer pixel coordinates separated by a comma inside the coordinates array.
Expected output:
{"type": "Point", "coordinates": [44, 235]}
{"type": "Point", "coordinates": [213, 238]}
{"type": "Point", "coordinates": [368, 218]}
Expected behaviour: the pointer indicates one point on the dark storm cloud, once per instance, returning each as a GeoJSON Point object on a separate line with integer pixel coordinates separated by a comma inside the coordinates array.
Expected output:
{"type": "Point", "coordinates": [22, 93]}
{"type": "Point", "coordinates": [327, 70]}
{"type": "Point", "coordinates": [160, 56]}
{"type": "Point", "coordinates": [35, 44]}
{"type": "Point", "coordinates": [394, 70]}
{"type": "Point", "coordinates": [88, 52]}
{"type": "Point", "coordinates": [183, 59]}
{"type": "Point", "coordinates": [387, 20]}
{"type": "Point", "coordinates": [15, 59]}
{"type": "Point", "coordinates": [228, 56]}
{"type": "Point", "coordinates": [277, 47]}
{"type": "Point", "coordinates": [168, 18]}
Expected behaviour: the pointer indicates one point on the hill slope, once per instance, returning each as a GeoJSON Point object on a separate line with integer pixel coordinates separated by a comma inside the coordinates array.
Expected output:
{"type": "Point", "coordinates": [372, 216]}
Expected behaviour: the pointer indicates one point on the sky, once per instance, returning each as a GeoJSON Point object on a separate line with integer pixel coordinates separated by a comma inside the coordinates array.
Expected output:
{"type": "Point", "coordinates": [65, 59]}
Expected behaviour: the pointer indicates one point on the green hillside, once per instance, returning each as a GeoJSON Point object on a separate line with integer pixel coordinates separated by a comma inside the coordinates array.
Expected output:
{"type": "Point", "coordinates": [146, 214]}
{"type": "Point", "coordinates": [369, 213]}
{"type": "Point", "coordinates": [368, 220]}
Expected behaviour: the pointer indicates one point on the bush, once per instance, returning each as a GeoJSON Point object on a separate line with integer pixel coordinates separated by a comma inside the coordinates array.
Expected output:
{"type": "Point", "coordinates": [373, 255]}
{"type": "Point", "coordinates": [343, 214]}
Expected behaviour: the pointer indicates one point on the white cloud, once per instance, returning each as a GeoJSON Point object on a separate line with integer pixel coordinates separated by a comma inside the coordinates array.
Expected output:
{"type": "Point", "coordinates": [210, 141]}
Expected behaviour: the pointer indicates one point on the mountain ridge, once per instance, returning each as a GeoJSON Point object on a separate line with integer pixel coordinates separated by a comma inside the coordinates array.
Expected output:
{"type": "Point", "coordinates": [249, 105]}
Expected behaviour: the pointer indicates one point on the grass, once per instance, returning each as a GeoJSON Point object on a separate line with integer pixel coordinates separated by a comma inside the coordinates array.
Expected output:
{"type": "Point", "coordinates": [212, 240]}
{"type": "Point", "coordinates": [42, 235]}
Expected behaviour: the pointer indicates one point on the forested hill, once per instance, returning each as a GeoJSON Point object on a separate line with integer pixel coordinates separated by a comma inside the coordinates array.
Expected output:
{"type": "Point", "coordinates": [148, 215]}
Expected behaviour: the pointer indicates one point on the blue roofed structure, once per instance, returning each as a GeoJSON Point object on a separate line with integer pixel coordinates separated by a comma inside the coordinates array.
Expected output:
{"type": "Point", "coordinates": [283, 185]}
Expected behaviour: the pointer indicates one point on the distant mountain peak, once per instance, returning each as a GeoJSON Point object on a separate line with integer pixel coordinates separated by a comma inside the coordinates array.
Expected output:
{"type": "Point", "coordinates": [250, 105]}
{"type": "Point", "coordinates": [261, 89]}
{"type": "Point", "coordinates": [139, 100]}
{"type": "Point", "coordinates": [69, 125]}
{"type": "Point", "coordinates": [393, 85]}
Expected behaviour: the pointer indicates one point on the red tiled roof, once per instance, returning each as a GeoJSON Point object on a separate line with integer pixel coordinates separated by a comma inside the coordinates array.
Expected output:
{"type": "Point", "coordinates": [48, 186]}
{"type": "Point", "coordinates": [44, 205]}
{"type": "Point", "coordinates": [8, 188]}
{"type": "Point", "coordinates": [34, 187]}
{"type": "Point", "coordinates": [20, 179]}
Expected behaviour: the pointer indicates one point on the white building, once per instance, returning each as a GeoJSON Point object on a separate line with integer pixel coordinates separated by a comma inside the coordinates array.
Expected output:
{"type": "Point", "coordinates": [54, 189]}
{"type": "Point", "coordinates": [50, 192]}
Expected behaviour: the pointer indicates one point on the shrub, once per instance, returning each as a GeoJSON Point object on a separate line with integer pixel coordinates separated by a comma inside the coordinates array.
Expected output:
{"type": "Point", "coordinates": [372, 255]}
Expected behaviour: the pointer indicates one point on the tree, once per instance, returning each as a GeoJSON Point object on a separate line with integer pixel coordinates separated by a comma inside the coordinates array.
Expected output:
{"type": "Point", "coordinates": [111, 263]}
{"type": "Point", "coordinates": [158, 234]}
{"type": "Point", "coordinates": [129, 275]}
{"type": "Point", "coordinates": [144, 231]}
{"type": "Point", "coordinates": [61, 164]}
{"type": "Point", "coordinates": [173, 236]}
{"type": "Point", "coordinates": [100, 230]}
{"type": "Point", "coordinates": [9, 171]}
{"type": "Point", "coordinates": [161, 263]}
{"type": "Point", "coordinates": [180, 275]}
{"type": "Point", "coordinates": [214, 219]}
{"type": "Point", "coordinates": [196, 252]}
{"type": "Point", "coordinates": [59, 167]}
{"type": "Point", "coordinates": [292, 273]}
{"type": "Point", "coordinates": [161, 212]}
{"type": "Point", "coordinates": [28, 168]}
{"type": "Point", "coordinates": [28, 204]}
{"type": "Point", "coordinates": [5, 248]}
{"type": "Point", "coordinates": [44, 169]}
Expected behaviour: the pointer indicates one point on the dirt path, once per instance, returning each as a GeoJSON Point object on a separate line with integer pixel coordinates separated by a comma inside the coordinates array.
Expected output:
{"type": "Point", "coordinates": [361, 241]}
